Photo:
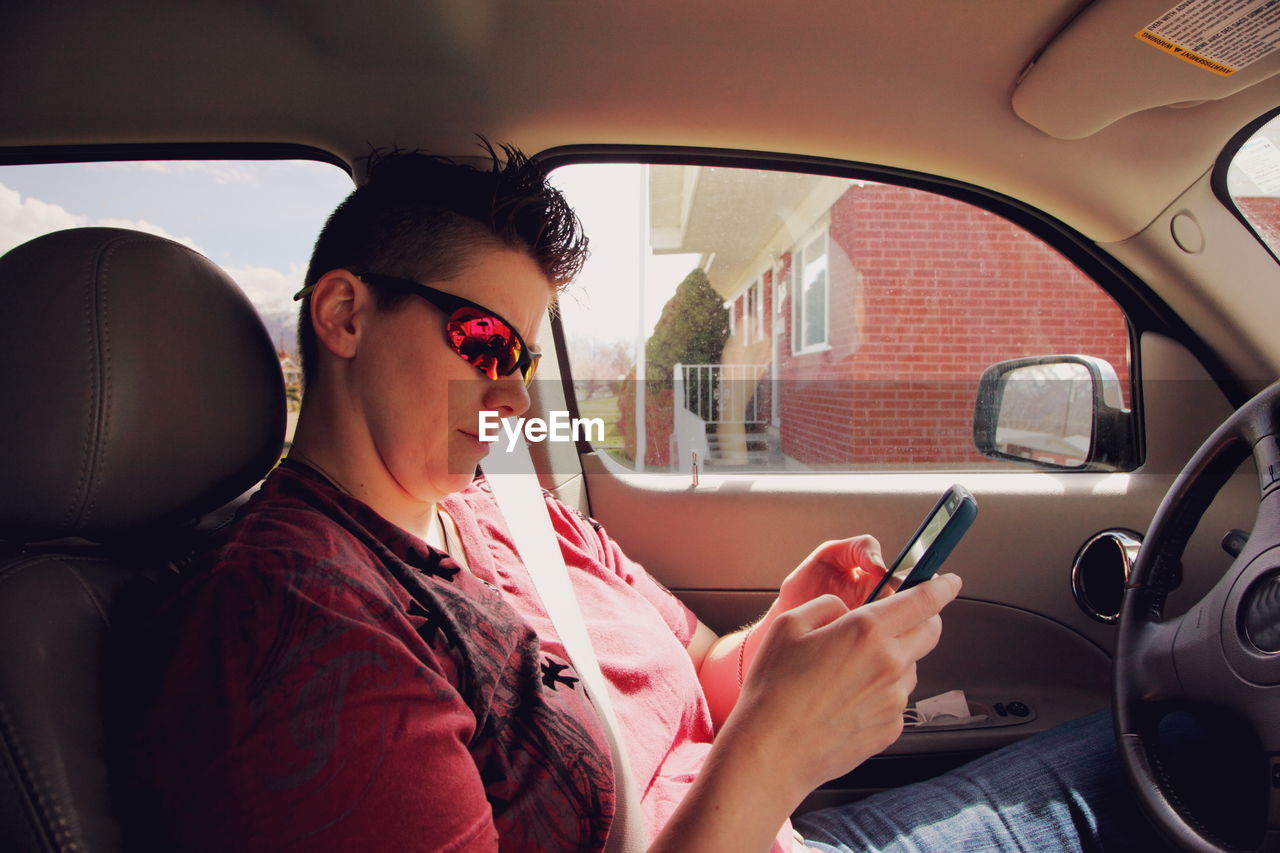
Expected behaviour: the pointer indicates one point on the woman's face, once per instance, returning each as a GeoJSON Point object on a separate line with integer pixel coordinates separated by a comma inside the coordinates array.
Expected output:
{"type": "Point", "coordinates": [421, 401]}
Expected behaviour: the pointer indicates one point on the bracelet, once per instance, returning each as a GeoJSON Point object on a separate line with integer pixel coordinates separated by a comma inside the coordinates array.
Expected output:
{"type": "Point", "coordinates": [742, 652]}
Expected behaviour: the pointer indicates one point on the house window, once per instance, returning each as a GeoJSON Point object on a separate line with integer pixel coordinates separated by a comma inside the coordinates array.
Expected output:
{"type": "Point", "coordinates": [809, 308]}
{"type": "Point", "coordinates": [753, 321]}
{"type": "Point", "coordinates": [782, 271]}
{"type": "Point", "coordinates": [758, 313]}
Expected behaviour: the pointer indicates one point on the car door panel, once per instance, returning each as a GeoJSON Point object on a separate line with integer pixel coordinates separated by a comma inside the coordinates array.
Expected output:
{"type": "Point", "coordinates": [1017, 633]}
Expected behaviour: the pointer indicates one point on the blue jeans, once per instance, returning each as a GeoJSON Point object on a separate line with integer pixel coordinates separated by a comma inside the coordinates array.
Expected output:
{"type": "Point", "coordinates": [1063, 790]}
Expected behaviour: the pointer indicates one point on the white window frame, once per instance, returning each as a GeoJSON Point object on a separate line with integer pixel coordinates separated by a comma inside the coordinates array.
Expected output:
{"type": "Point", "coordinates": [798, 318]}
{"type": "Point", "coordinates": [757, 317]}
{"type": "Point", "coordinates": [780, 280]}
{"type": "Point", "coordinates": [753, 311]}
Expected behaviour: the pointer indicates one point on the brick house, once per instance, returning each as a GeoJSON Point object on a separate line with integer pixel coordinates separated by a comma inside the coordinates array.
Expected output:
{"type": "Point", "coordinates": [1264, 213]}
{"type": "Point", "coordinates": [867, 312]}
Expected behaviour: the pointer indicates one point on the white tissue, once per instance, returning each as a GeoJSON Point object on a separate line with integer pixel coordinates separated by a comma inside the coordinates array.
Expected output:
{"type": "Point", "coordinates": [946, 709]}
{"type": "Point", "coordinates": [950, 704]}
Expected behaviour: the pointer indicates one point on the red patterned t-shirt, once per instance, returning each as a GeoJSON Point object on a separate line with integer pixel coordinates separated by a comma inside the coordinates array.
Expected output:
{"type": "Point", "coordinates": [336, 684]}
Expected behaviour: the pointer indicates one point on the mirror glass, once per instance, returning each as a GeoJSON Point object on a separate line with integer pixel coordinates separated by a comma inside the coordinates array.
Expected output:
{"type": "Point", "coordinates": [1046, 414]}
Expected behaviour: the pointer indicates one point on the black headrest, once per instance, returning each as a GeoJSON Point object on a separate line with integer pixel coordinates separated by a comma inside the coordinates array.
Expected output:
{"type": "Point", "coordinates": [138, 386]}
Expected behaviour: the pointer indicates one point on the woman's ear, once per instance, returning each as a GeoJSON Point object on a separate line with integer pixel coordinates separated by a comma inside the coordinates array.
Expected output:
{"type": "Point", "coordinates": [338, 305]}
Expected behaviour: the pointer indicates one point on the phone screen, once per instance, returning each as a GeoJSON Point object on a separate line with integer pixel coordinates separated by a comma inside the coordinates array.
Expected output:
{"type": "Point", "coordinates": [917, 548]}
{"type": "Point", "coordinates": [933, 541]}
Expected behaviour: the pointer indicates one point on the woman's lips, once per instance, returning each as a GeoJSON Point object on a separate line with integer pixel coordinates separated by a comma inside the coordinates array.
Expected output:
{"type": "Point", "coordinates": [475, 441]}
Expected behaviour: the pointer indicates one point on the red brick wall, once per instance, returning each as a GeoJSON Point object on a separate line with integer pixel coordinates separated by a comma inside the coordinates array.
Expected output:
{"type": "Point", "coordinates": [925, 292]}
{"type": "Point", "coordinates": [1264, 214]}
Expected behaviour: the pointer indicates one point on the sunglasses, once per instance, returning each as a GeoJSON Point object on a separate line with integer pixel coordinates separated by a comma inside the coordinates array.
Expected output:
{"type": "Point", "coordinates": [481, 337]}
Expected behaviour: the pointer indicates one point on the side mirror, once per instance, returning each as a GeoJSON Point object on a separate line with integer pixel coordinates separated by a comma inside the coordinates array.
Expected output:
{"type": "Point", "coordinates": [1055, 411]}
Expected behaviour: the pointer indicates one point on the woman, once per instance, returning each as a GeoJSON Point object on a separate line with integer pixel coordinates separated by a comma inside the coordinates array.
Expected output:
{"type": "Point", "coordinates": [362, 660]}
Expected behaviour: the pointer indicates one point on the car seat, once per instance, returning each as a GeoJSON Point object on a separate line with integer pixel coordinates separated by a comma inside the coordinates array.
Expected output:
{"type": "Point", "coordinates": [141, 394]}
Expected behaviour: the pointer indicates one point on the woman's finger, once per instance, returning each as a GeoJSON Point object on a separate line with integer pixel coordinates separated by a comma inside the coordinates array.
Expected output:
{"type": "Point", "coordinates": [904, 610]}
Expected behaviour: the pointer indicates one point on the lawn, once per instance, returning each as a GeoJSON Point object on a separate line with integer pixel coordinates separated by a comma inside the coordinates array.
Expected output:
{"type": "Point", "coordinates": [605, 408]}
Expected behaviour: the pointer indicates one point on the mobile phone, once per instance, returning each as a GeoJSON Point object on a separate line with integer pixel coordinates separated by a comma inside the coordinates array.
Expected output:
{"type": "Point", "coordinates": [932, 542]}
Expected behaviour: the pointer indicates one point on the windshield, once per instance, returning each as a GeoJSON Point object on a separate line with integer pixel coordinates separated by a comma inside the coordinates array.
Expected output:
{"type": "Point", "coordinates": [1253, 181]}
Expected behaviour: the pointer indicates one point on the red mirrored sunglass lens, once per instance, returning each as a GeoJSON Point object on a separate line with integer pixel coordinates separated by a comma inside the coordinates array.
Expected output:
{"type": "Point", "coordinates": [485, 342]}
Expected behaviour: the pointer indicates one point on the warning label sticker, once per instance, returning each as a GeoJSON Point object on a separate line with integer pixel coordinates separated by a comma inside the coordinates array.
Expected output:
{"type": "Point", "coordinates": [1222, 36]}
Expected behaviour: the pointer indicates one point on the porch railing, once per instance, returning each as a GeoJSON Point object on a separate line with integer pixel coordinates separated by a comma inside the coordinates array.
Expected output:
{"type": "Point", "coordinates": [722, 393]}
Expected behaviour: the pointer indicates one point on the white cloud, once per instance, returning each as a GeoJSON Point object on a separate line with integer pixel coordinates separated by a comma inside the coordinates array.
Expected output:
{"type": "Point", "coordinates": [23, 219]}
{"type": "Point", "coordinates": [270, 290]}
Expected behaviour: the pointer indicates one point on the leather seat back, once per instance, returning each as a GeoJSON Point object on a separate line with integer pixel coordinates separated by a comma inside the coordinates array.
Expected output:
{"type": "Point", "coordinates": [140, 393]}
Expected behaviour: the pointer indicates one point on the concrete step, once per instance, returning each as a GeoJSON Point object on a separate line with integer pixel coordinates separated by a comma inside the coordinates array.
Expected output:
{"type": "Point", "coordinates": [762, 449]}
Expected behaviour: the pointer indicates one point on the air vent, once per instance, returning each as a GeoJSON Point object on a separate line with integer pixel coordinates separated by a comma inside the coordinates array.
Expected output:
{"type": "Point", "coordinates": [1100, 571]}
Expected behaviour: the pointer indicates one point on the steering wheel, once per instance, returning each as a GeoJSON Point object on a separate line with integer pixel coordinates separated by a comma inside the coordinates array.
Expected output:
{"type": "Point", "coordinates": [1225, 651]}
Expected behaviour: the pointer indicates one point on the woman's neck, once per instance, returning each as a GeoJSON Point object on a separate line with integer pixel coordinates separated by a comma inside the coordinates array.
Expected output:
{"type": "Point", "coordinates": [414, 517]}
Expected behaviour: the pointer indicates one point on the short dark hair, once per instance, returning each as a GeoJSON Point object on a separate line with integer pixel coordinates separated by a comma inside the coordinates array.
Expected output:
{"type": "Point", "coordinates": [419, 216]}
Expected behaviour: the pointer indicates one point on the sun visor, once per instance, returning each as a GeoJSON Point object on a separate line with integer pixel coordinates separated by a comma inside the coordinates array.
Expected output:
{"type": "Point", "coordinates": [1119, 57]}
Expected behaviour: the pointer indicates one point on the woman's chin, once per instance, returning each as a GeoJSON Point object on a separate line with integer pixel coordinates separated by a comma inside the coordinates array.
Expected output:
{"type": "Point", "coordinates": [462, 467]}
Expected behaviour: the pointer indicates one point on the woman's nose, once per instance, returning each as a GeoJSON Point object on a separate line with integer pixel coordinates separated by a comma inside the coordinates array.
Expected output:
{"type": "Point", "coordinates": [507, 395]}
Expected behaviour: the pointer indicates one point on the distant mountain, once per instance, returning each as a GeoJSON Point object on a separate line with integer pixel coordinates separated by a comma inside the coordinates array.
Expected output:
{"type": "Point", "coordinates": [282, 325]}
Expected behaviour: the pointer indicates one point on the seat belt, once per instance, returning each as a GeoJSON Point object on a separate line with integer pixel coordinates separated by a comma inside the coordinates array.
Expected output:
{"type": "Point", "coordinates": [515, 486]}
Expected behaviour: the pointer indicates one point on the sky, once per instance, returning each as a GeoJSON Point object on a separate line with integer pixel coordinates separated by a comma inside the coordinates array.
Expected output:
{"type": "Point", "coordinates": [609, 200]}
{"type": "Point", "coordinates": [259, 219]}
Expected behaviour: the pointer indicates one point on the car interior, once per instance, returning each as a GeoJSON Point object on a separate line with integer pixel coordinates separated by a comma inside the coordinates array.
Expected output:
{"type": "Point", "coordinates": [1028, 248]}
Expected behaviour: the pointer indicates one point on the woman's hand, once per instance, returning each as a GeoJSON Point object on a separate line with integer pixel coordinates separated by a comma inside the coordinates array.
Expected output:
{"type": "Point", "coordinates": [846, 568]}
{"type": "Point", "coordinates": [849, 569]}
{"type": "Point", "coordinates": [830, 681]}
{"type": "Point", "coordinates": [826, 692]}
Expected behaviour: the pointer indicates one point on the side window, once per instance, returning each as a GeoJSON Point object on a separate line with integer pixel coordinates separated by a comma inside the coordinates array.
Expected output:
{"type": "Point", "coordinates": [777, 321]}
{"type": "Point", "coordinates": [257, 219]}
